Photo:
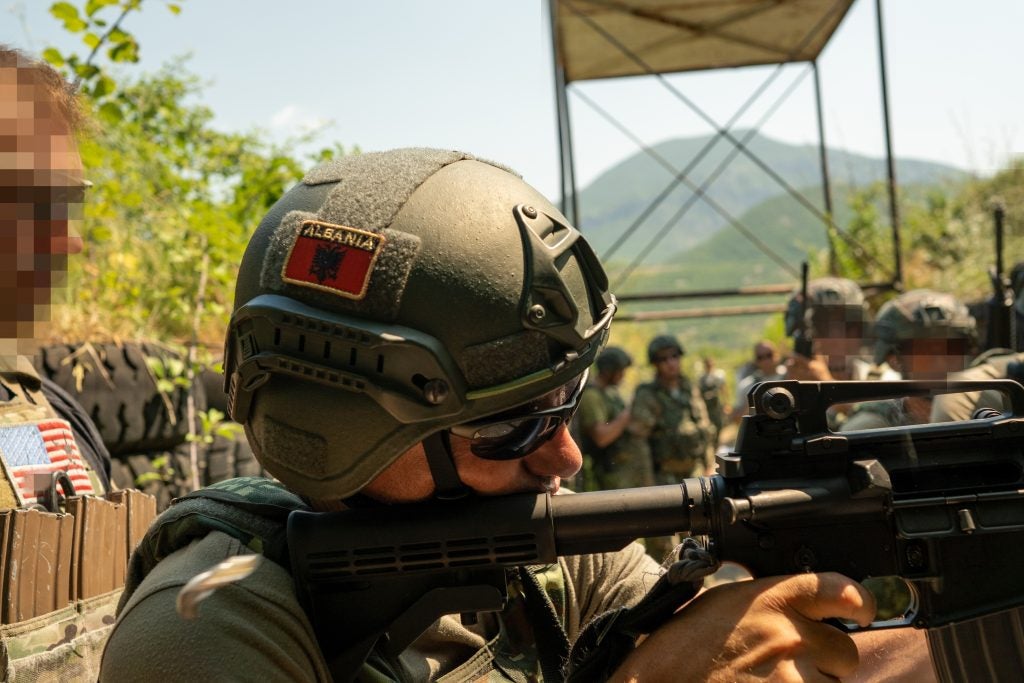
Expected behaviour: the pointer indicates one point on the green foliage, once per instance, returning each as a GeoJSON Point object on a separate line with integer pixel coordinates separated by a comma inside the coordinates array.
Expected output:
{"type": "Point", "coordinates": [99, 26]}
{"type": "Point", "coordinates": [618, 196]}
{"type": "Point", "coordinates": [947, 234]}
{"type": "Point", "coordinates": [947, 238]}
{"type": "Point", "coordinates": [169, 373]}
{"type": "Point", "coordinates": [174, 200]}
{"type": "Point", "coordinates": [212, 424]}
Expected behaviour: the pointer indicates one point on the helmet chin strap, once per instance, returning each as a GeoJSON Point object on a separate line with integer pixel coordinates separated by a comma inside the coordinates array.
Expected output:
{"type": "Point", "coordinates": [447, 485]}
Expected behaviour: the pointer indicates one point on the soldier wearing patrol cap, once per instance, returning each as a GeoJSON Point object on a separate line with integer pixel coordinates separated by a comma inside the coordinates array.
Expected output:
{"type": "Point", "coordinates": [411, 325]}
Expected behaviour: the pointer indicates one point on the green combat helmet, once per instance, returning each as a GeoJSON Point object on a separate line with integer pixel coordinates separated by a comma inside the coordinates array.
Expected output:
{"type": "Point", "coordinates": [613, 359]}
{"type": "Point", "coordinates": [829, 300]}
{"type": "Point", "coordinates": [662, 342]}
{"type": "Point", "coordinates": [922, 314]}
{"type": "Point", "coordinates": [391, 296]}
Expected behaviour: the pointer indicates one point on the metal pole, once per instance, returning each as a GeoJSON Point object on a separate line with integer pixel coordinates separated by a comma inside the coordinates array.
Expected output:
{"type": "Point", "coordinates": [570, 203]}
{"type": "Point", "coordinates": [690, 314]}
{"type": "Point", "coordinates": [894, 211]}
{"type": "Point", "coordinates": [826, 183]}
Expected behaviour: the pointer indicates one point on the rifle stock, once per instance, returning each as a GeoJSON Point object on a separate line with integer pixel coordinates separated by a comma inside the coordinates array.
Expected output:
{"type": "Point", "coordinates": [941, 506]}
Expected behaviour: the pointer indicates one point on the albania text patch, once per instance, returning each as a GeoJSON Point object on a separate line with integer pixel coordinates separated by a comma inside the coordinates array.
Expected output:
{"type": "Point", "coordinates": [333, 258]}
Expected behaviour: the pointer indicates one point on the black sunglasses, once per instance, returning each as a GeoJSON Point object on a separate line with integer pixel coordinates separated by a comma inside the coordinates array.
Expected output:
{"type": "Point", "coordinates": [45, 202]}
{"type": "Point", "coordinates": [517, 432]}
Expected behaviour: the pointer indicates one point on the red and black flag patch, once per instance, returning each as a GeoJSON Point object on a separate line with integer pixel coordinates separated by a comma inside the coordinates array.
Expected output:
{"type": "Point", "coordinates": [334, 258]}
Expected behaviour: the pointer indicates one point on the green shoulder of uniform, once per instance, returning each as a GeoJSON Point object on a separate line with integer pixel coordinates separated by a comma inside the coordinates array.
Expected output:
{"type": "Point", "coordinates": [253, 510]}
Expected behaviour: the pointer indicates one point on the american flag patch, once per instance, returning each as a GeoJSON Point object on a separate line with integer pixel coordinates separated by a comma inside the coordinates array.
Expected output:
{"type": "Point", "coordinates": [41, 448]}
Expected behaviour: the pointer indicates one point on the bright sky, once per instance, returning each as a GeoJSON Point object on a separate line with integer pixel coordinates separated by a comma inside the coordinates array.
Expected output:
{"type": "Point", "coordinates": [476, 75]}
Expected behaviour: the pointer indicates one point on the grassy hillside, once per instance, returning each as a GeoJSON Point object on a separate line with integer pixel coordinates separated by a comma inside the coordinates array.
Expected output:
{"type": "Point", "coordinates": [947, 244]}
{"type": "Point", "coordinates": [617, 197]}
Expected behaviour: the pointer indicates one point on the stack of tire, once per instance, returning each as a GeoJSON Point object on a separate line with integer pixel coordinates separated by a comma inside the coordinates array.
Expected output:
{"type": "Point", "coordinates": [145, 426]}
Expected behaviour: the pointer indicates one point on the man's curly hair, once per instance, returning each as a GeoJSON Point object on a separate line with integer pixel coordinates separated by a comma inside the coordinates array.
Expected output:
{"type": "Point", "coordinates": [61, 99]}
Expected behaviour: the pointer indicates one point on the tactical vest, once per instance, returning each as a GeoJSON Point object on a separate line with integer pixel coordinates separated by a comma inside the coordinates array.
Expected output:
{"type": "Point", "coordinates": [255, 511]}
{"type": "Point", "coordinates": [62, 557]}
{"type": "Point", "coordinates": [677, 439]}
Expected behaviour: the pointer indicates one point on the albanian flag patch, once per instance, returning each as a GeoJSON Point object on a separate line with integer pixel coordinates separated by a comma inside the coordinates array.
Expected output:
{"type": "Point", "coordinates": [333, 258]}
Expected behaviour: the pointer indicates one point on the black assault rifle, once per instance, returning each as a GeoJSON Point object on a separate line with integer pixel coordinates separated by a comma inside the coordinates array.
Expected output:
{"type": "Point", "coordinates": [803, 344]}
{"type": "Point", "coordinates": [940, 505]}
{"type": "Point", "coordinates": [999, 307]}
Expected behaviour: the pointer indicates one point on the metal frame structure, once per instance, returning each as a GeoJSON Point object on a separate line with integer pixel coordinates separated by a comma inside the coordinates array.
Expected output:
{"type": "Point", "coordinates": [805, 44]}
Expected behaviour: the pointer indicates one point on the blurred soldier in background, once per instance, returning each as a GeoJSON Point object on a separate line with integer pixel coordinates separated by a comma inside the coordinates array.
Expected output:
{"type": "Point", "coordinates": [835, 319]}
{"type": "Point", "coordinates": [835, 322]}
{"type": "Point", "coordinates": [764, 366]}
{"type": "Point", "coordinates": [671, 414]}
{"type": "Point", "coordinates": [617, 459]}
{"type": "Point", "coordinates": [712, 384]}
{"type": "Point", "coordinates": [962, 406]}
{"type": "Point", "coordinates": [923, 335]}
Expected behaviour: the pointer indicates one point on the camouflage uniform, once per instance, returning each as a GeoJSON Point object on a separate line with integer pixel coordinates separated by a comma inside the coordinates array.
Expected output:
{"type": "Point", "coordinates": [711, 386]}
{"type": "Point", "coordinates": [65, 643]}
{"type": "Point", "coordinates": [257, 628]}
{"type": "Point", "coordinates": [952, 407]}
{"type": "Point", "coordinates": [676, 425]}
{"type": "Point", "coordinates": [624, 463]}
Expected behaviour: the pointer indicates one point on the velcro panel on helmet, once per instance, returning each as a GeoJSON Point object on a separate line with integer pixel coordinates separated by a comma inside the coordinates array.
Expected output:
{"type": "Point", "coordinates": [503, 360]}
{"type": "Point", "coordinates": [369, 190]}
{"type": "Point", "coordinates": [297, 449]}
{"type": "Point", "coordinates": [383, 276]}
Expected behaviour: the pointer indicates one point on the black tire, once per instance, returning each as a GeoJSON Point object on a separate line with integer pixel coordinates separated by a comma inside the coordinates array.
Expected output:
{"type": "Point", "coordinates": [229, 457]}
{"type": "Point", "coordinates": [119, 392]}
{"type": "Point", "coordinates": [213, 384]}
{"type": "Point", "coordinates": [165, 475]}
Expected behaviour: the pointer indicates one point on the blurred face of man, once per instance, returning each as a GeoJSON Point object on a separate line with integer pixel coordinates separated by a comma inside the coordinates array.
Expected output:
{"type": "Point", "coordinates": [925, 359]}
{"type": "Point", "coordinates": [838, 342]}
{"type": "Point", "coordinates": [666, 364]}
{"type": "Point", "coordinates": [41, 189]}
{"type": "Point", "coordinates": [765, 358]}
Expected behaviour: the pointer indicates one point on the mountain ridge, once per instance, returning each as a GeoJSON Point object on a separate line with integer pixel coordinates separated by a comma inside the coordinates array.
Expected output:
{"type": "Point", "coordinates": [616, 198]}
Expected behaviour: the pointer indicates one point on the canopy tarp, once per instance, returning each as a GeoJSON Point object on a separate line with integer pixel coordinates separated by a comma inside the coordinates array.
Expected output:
{"type": "Point", "coordinates": [688, 35]}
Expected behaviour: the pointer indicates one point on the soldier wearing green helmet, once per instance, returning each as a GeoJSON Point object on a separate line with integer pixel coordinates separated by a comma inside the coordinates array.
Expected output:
{"type": "Point", "coordinates": [411, 325]}
{"type": "Point", "coordinates": [835, 319]}
{"type": "Point", "coordinates": [924, 335]}
{"type": "Point", "coordinates": [617, 459]}
{"type": "Point", "coordinates": [670, 412]}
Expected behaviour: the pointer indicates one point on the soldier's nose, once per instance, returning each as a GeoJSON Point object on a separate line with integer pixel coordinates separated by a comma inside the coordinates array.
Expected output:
{"type": "Point", "coordinates": [559, 456]}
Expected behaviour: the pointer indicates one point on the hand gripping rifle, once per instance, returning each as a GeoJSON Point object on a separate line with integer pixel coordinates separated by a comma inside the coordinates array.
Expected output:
{"type": "Point", "coordinates": [940, 505]}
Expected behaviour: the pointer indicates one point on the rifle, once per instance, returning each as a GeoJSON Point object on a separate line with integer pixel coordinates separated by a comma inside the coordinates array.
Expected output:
{"type": "Point", "coordinates": [803, 344]}
{"type": "Point", "coordinates": [939, 505]}
{"type": "Point", "coordinates": [999, 319]}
